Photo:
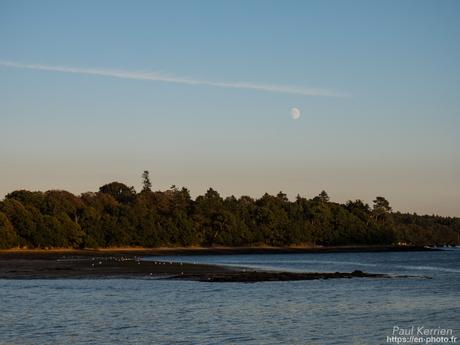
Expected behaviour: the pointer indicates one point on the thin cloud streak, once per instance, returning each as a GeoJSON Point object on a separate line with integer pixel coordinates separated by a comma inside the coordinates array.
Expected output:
{"type": "Point", "coordinates": [138, 75]}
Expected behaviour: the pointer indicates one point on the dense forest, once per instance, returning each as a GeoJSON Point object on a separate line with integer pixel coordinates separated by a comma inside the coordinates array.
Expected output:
{"type": "Point", "coordinates": [119, 216]}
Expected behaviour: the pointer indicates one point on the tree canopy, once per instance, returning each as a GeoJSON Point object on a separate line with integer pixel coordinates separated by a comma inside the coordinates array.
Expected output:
{"type": "Point", "coordinates": [117, 215]}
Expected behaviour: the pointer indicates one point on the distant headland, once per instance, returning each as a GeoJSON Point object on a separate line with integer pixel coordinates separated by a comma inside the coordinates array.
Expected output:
{"type": "Point", "coordinates": [118, 216]}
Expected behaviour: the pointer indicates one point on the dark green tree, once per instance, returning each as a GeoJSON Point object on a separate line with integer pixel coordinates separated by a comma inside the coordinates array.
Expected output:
{"type": "Point", "coordinates": [381, 208]}
{"type": "Point", "coordinates": [146, 184]}
{"type": "Point", "coordinates": [323, 197]}
{"type": "Point", "coordinates": [121, 192]}
{"type": "Point", "coordinates": [23, 221]}
{"type": "Point", "coordinates": [8, 237]}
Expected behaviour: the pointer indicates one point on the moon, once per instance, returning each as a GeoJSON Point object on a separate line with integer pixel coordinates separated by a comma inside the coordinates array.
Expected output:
{"type": "Point", "coordinates": [295, 113]}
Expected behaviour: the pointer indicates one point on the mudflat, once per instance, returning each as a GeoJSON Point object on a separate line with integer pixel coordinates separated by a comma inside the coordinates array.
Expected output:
{"type": "Point", "coordinates": [91, 264]}
{"type": "Point", "coordinates": [128, 263]}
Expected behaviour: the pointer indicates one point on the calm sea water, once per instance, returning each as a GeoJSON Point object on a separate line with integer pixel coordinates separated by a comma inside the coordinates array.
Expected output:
{"type": "Point", "coordinates": [151, 311]}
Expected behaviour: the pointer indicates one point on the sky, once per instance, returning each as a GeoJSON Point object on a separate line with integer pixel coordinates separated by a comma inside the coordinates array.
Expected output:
{"type": "Point", "coordinates": [201, 94]}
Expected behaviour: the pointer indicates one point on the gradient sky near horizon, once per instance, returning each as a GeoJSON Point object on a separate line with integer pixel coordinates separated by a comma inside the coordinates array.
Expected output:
{"type": "Point", "coordinates": [200, 92]}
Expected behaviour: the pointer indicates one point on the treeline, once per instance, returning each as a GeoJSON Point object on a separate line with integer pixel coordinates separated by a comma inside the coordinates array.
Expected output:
{"type": "Point", "coordinates": [119, 216]}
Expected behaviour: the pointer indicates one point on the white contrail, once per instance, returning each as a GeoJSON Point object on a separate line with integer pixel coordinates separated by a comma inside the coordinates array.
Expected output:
{"type": "Point", "coordinates": [138, 75]}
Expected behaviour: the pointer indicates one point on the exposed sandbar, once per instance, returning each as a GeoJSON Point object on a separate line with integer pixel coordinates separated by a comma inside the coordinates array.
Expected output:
{"type": "Point", "coordinates": [104, 264]}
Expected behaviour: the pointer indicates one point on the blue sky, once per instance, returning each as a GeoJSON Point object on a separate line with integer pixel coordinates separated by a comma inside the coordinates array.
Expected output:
{"type": "Point", "coordinates": [380, 100]}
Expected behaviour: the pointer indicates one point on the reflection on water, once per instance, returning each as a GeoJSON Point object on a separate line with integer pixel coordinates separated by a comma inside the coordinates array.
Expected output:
{"type": "Point", "coordinates": [149, 311]}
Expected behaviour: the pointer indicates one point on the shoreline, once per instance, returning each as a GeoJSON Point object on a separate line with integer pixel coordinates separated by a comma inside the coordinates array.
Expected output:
{"type": "Point", "coordinates": [159, 251]}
